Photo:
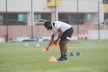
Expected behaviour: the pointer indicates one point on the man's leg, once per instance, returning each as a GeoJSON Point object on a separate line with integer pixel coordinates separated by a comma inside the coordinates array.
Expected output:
{"type": "Point", "coordinates": [63, 50]}
{"type": "Point", "coordinates": [60, 44]}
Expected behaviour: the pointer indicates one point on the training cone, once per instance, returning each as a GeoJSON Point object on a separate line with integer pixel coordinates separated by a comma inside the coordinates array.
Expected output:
{"type": "Point", "coordinates": [78, 54]}
{"type": "Point", "coordinates": [37, 44]}
{"type": "Point", "coordinates": [26, 44]}
{"type": "Point", "coordinates": [71, 54]}
{"type": "Point", "coordinates": [52, 59]}
{"type": "Point", "coordinates": [45, 50]}
{"type": "Point", "coordinates": [54, 45]}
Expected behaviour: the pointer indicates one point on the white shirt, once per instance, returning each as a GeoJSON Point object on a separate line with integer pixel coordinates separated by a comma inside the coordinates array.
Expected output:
{"type": "Point", "coordinates": [58, 24]}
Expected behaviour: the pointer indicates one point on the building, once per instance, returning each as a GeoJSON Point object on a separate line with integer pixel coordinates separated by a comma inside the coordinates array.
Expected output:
{"type": "Point", "coordinates": [25, 16]}
{"type": "Point", "coordinates": [105, 2]}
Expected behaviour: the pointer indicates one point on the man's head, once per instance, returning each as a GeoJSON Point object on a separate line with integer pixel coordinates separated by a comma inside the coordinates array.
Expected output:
{"type": "Point", "coordinates": [48, 25]}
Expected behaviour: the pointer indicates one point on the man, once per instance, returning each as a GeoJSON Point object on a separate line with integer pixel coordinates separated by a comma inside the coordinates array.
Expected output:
{"type": "Point", "coordinates": [64, 32]}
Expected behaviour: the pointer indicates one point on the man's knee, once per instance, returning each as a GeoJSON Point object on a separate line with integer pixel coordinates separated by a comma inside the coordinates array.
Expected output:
{"type": "Point", "coordinates": [62, 43]}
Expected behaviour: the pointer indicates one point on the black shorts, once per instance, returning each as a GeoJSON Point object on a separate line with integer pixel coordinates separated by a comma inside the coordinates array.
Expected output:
{"type": "Point", "coordinates": [67, 34]}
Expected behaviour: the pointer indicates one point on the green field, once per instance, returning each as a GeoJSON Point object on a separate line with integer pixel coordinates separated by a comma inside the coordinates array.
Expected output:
{"type": "Point", "coordinates": [16, 57]}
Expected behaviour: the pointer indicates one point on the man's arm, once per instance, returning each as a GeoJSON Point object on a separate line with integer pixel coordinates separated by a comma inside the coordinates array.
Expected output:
{"type": "Point", "coordinates": [52, 39]}
{"type": "Point", "coordinates": [59, 35]}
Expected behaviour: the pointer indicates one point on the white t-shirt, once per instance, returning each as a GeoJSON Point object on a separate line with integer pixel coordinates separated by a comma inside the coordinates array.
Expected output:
{"type": "Point", "coordinates": [58, 24]}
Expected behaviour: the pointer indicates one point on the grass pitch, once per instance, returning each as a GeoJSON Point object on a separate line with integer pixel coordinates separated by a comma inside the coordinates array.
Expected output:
{"type": "Point", "coordinates": [16, 57]}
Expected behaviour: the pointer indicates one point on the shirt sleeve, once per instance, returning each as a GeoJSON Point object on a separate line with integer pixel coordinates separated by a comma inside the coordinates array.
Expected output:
{"type": "Point", "coordinates": [57, 25]}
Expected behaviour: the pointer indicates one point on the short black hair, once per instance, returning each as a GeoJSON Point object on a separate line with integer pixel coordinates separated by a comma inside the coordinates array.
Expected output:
{"type": "Point", "coordinates": [47, 23]}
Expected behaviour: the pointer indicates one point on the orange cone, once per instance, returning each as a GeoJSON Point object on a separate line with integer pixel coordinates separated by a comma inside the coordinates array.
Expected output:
{"type": "Point", "coordinates": [45, 50]}
{"type": "Point", "coordinates": [54, 45]}
{"type": "Point", "coordinates": [52, 59]}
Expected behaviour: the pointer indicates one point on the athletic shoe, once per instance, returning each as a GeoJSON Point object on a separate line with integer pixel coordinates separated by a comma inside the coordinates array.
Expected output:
{"type": "Point", "coordinates": [59, 58]}
{"type": "Point", "coordinates": [62, 59]}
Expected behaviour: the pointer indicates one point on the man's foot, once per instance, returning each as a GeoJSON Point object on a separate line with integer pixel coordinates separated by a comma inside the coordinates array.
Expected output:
{"type": "Point", "coordinates": [63, 58]}
{"type": "Point", "coordinates": [59, 58]}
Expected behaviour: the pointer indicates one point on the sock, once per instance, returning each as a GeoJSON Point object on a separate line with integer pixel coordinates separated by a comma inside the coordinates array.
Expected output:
{"type": "Point", "coordinates": [62, 55]}
{"type": "Point", "coordinates": [65, 55]}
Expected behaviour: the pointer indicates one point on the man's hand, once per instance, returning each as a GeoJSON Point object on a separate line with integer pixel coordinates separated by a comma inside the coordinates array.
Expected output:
{"type": "Point", "coordinates": [46, 49]}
